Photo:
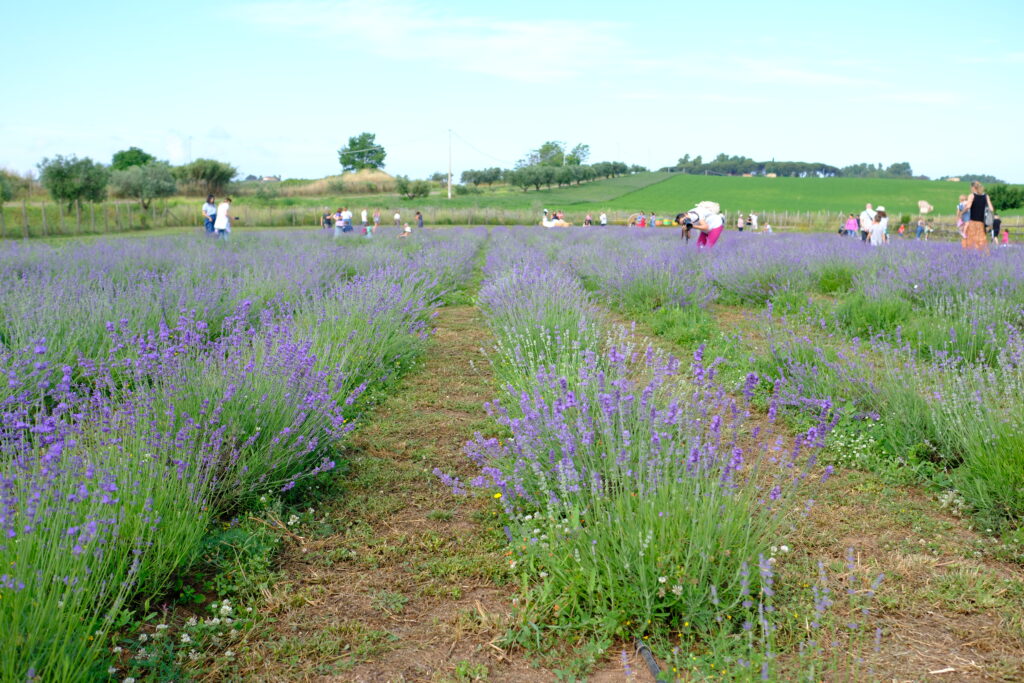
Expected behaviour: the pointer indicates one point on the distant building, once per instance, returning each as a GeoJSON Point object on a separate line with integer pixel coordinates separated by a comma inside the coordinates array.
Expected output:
{"type": "Point", "coordinates": [954, 180]}
{"type": "Point", "coordinates": [270, 179]}
{"type": "Point", "coordinates": [770, 175]}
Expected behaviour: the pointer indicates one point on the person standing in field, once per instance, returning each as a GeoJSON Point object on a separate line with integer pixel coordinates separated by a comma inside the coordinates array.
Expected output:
{"type": "Point", "coordinates": [706, 218]}
{"type": "Point", "coordinates": [398, 220]}
{"type": "Point", "coordinates": [376, 218]}
{"type": "Point", "coordinates": [739, 222]}
{"type": "Point", "coordinates": [222, 224]}
{"type": "Point", "coordinates": [363, 217]}
{"type": "Point", "coordinates": [974, 212]}
{"type": "Point", "coordinates": [753, 222]}
{"type": "Point", "coordinates": [851, 226]}
{"type": "Point", "coordinates": [960, 213]}
{"type": "Point", "coordinates": [346, 220]}
{"type": "Point", "coordinates": [588, 220]}
{"type": "Point", "coordinates": [879, 226]}
{"type": "Point", "coordinates": [338, 222]}
{"type": "Point", "coordinates": [997, 224]}
{"type": "Point", "coordinates": [603, 219]}
{"type": "Point", "coordinates": [867, 219]}
{"type": "Point", "coordinates": [919, 232]}
{"type": "Point", "coordinates": [419, 220]}
{"type": "Point", "coordinates": [209, 214]}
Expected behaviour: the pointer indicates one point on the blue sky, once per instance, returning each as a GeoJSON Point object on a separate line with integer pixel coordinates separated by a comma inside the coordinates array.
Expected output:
{"type": "Point", "coordinates": [278, 87]}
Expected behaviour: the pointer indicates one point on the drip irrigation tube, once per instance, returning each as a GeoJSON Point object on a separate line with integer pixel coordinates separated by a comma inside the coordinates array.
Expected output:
{"type": "Point", "coordinates": [645, 652]}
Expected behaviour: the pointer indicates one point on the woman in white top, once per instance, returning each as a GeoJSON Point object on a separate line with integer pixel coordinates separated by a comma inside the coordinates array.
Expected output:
{"type": "Point", "coordinates": [879, 227]}
{"type": "Point", "coordinates": [222, 224]}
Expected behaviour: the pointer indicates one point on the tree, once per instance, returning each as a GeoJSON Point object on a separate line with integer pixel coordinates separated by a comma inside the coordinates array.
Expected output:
{"type": "Point", "coordinates": [6, 189]}
{"type": "Point", "coordinates": [70, 179]}
{"type": "Point", "coordinates": [362, 151]}
{"type": "Point", "coordinates": [206, 175]}
{"type": "Point", "coordinates": [1006, 197]}
{"type": "Point", "coordinates": [411, 189]}
{"type": "Point", "coordinates": [900, 170]}
{"type": "Point", "coordinates": [578, 156]}
{"type": "Point", "coordinates": [145, 183]}
{"type": "Point", "coordinates": [126, 158]}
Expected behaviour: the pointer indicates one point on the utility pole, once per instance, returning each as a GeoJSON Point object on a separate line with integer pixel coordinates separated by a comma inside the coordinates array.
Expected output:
{"type": "Point", "coordinates": [449, 163]}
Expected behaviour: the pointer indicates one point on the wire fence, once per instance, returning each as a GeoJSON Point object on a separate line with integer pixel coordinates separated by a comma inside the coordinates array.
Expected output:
{"type": "Point", "coordinates": [47, 219]}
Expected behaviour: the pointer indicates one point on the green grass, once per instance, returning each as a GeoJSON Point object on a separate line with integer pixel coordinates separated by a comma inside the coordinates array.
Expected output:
{"type": "Point", "coordinates": [793, 194]}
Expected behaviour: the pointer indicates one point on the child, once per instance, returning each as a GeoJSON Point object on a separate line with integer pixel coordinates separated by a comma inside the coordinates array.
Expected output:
{"type": "Point", "coordinates": [406, 231]}
{"type": "Point", "coordinates": [1004, 235]}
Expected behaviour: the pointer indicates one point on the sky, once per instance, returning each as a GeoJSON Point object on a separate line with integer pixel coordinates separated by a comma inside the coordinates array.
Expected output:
{"type": "Point", "coordinates": [276, 88]}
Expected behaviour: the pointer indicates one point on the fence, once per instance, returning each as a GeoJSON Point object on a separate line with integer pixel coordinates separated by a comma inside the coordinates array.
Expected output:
{"type": "Point", "coordinates": [42, 219]}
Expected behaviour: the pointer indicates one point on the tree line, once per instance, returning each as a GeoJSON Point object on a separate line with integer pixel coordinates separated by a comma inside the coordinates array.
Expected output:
{"type": "Point", "coordinates": [132, 173]}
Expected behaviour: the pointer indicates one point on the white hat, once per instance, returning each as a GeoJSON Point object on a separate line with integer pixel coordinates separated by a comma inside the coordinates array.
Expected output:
{"type": "Point", "coordinates": [880, 208]}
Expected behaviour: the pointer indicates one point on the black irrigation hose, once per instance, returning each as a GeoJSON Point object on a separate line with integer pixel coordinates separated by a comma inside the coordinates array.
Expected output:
{"type": "Point", "coordinates": [645, 652]}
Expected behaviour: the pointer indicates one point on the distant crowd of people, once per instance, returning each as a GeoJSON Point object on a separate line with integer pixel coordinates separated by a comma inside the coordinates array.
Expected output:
{"type": "Point", "coordinates": [341, 222]}
{"type": "Point", "coordinates": [976, 221]}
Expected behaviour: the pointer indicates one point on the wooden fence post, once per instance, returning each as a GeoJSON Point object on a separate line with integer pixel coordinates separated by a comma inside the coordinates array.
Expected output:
{"type": "Point", "coordinates": [42, 209]}
{"type": "Point", "coordinates": [92, 216]}
{"type": "Point", "coordinates": [60, 211]}
{"type": "Point", "coordinates": [106, 218]}
{"type": "Point", "coordinates": [117, 217]}
{"type": "Point", "coordinates": [131, 223]}
{"type": "Point", "coordinates": [24, 216]}
{"type": "Point", "coordinates": [78, 217]}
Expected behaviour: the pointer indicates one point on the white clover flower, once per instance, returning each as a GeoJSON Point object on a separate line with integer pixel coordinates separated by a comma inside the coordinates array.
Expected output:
{"type": "Point", "coordinates": [185, 639]}
{"type": "Point", "coordinates": [143, 638]}
{"type": "Point", "coordinates": [543, 575]}
{"type": "Point", "coordinates": [229, 653]}
{"type": "Point", "coordinates": [162, 627]}
{"type": "Point", "coordinates": [191, 621]}
{"type": "Point", "coordinates": [128, 680]}
{"type": "Point", "coordinates": [117, 649]}
{"type": "Point", "coordinates": [193, 655]}
{"type": "Point", "coordinates": [225, 610]}
{"type": "Point", "coordinates": [293, 520]}
{"type": "Point", "coordinates": [677, 589]}
{"type": "Point", "coordinates": [784, 548]}
{"type": "Point", "coordinates": [112, 670]}
{"type": "Point", "coordinates": [662, 579]}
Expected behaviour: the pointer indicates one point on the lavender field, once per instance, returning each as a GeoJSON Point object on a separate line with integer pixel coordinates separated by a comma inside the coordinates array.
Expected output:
{"type": "Point", "coordinates": [785, 458]}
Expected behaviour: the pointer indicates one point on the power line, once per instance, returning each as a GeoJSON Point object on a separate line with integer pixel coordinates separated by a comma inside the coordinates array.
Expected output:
{"type": "Point", "coordinates": [481, 152]}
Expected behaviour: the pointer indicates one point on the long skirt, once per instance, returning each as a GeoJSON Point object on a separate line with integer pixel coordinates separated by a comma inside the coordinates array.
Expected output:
{"type": "Point", "coordinates": [974, 236]}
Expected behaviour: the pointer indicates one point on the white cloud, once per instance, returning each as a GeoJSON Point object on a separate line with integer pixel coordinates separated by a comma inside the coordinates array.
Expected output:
{"type": "Point", "coordinates": [540, 51]}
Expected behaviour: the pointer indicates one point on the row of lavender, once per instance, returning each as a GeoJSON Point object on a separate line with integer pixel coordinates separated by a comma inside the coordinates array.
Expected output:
{"type": "Point", "coordinates": [155, 386]}
{"type": "Point", "coordinates": [921, 344]}
{"type": "Point", "coordinates": [642, 499]}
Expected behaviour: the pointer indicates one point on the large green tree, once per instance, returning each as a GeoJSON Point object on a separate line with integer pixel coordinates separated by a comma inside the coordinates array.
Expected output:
{"type": "Point", "coordinates": [70, 179]}
{"type": "Point", "coordinates": [133, 156]}
{"type": "Point", "coordinates": [144, 183]}
{"type": "Point", "coordinates": [206, 175]}
{"type": "Point", "coordinates": [578, 156]}
{"type": "Point", "coordinates": [362, 151]}
{"type": "Point", "coordinates": [411, 189]}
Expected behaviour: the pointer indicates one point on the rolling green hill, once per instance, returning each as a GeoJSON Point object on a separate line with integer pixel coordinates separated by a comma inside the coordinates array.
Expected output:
{"type": "Point", "coordinates": [680, 191]}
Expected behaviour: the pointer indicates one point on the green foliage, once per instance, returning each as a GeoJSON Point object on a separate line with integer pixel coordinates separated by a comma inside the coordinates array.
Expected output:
{"type": "Point", "coordinates": [412, 189]}
{"type": "Point", "coordinates": [362, 151]}
{"type": "Point", "coordinates": [239, 560]}
{"type": "Point", "coordinates": [70, 179]}
{"type": "Point", "coordinates": [145, 183]}
{"type": "Point", "coordinates": [861, 315]}
{"type": "Point", "coordinates": [133, 156]}
{"type": "Point", "coordinates": [687, 326]}
{"type": "Point", "coordinates": [1006, 197]}
{"type": "Point", "coordinates": [578, 156]}
{"type": "Point", "coordinates": [206, 176]}
{"type": "Point", "coordinates": [6, 189]}
{"type": "Point", "coordinates": [834, 278]}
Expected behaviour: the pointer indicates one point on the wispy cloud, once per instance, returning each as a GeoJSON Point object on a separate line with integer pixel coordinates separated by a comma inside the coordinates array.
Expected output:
{"type": "Point", "coordinates": [540, 51]}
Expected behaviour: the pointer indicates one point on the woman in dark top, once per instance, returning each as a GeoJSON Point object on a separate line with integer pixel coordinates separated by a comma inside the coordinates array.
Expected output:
{"type": "Point", "coordinates": [974, 231]}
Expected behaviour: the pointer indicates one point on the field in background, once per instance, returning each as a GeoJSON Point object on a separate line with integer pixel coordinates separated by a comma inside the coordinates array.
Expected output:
{"type": "Point", "coordinates": [814, 204]}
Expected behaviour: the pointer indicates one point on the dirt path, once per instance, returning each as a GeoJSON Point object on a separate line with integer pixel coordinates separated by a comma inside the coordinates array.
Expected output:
{"type": "Point", "coordinates": [413, 588]}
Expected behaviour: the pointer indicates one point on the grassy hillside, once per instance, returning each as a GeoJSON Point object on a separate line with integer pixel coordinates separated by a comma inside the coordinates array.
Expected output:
{"type": "Point", "coordinates": [792, 194]}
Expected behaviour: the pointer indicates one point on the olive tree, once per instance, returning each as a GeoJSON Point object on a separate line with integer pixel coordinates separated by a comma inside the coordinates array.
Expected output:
{"type": "Point", "coordinates": [145, 183]}
{"type": "Point", "coordinates": [70, 179]}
